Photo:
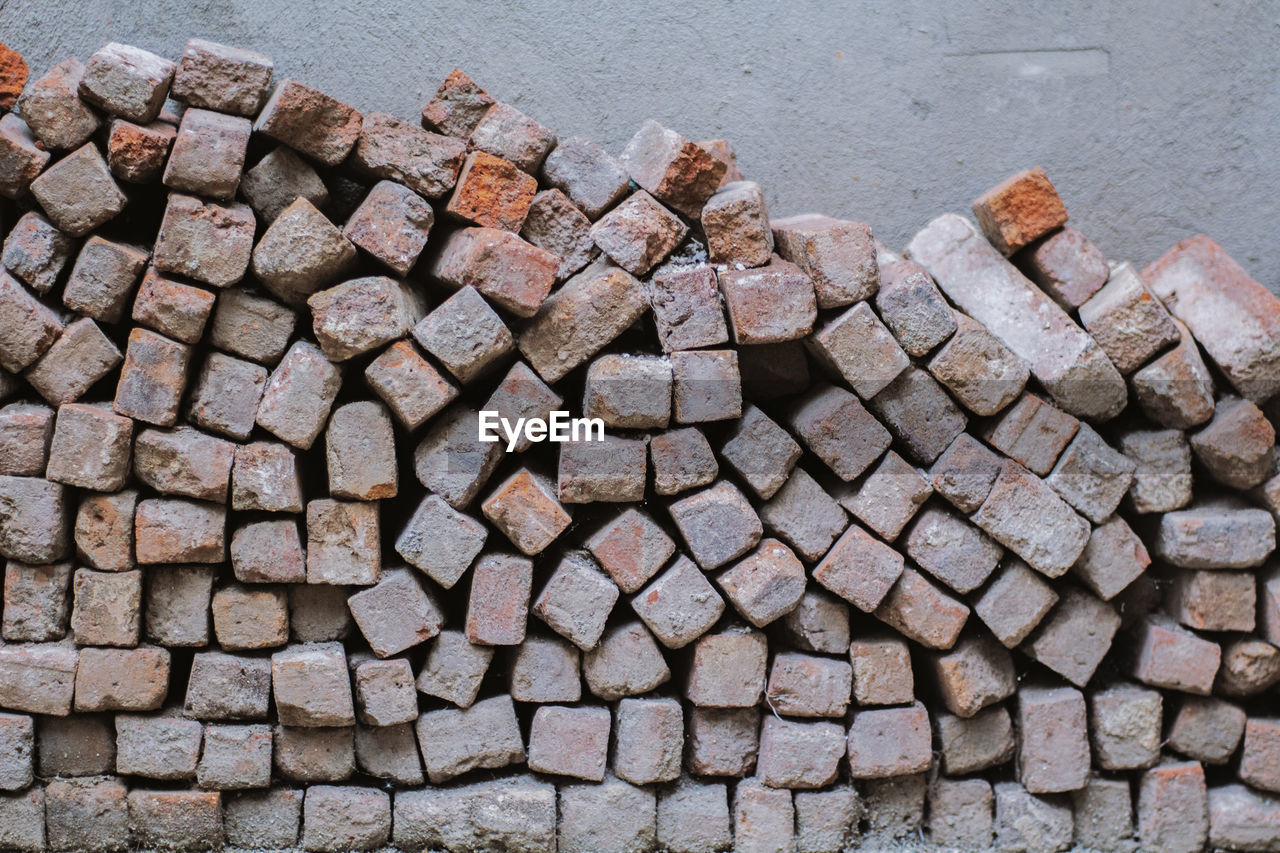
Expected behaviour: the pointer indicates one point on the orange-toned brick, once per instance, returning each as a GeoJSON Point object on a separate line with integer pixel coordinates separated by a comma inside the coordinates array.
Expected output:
{"type": "Point", "coordinates": [1019, 209]}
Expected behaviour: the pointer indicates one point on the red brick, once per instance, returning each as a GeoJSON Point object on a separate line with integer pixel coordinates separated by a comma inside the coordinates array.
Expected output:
{"type": "Point", "coordinates": [499, 600]}
{"type": "Point", "coordinates": [1019, 209]}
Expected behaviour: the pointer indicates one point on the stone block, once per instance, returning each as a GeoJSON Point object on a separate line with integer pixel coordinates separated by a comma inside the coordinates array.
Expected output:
{"type": "Point", "coordinates": [498, 606]}
{"type": "Point", "coordinates": [35, 252]}
{"type": "Point", "coordinates": [1219, 535]}
{"type": "Point", "coordinates": [52, 107]}
{"type": "Point", "coordinates": [180, 531]}
{"type": "Point", "coordinates": [384, 693]}
{"type": "Point", "coordinates": [395, 150]}
{"type": "Point", "coordinates": [576, 600]}
{"type": "Point", "coordinates": [919, 610]}
{"type": "Point", "coordinates": [686, 308]}
{"type": "Point", "coordinates": [397, 613]}
{"type": "Point", "coordinates": [310, 122]}
{"type": "Point", "coordinates": [172, 308]}
{"type": "Point", "coordinates": [591, 179]}
{"type": "Point", "coordinates": [492, 192]}
{"type": "Point", "coordinates": [314, 754]}
{"type": "Point", "coordinates": [506, 132]}
{"type": "Point", "coordinates": [675, 170]}
{"type": "Point", "coordinates": [1015, 602]}
{"type": "Point", "coordinates": [311, 686]}
{"type": "Point", "coordinates": [454, 741]}
{"type": "Point", "coordinates": [78, 193]}
{"type": "Point", "coordinates": [775, 303]}
{"type": "Point", "coordinates": [343, 545]}
{"type": "Point", "coordinates": [882, 673]}
{"type": "Point", "coordinates": [639, 233]}
{"type": "Point", "coordinates": [163, 747]}
{"type": "Point", "coordinates": [441, 541]}
{"type": "Point", "coordinates": [722, 742]}
{"type": "Point", "coordinates": [1053, 745]}
{"type": "Point", "coordinates": [107, 608]}
{"type": "Point", "coordinates": [984, 740]}
{"type": "Point", "coordinates": [836, 428]}
{"type": "Point", "coordinates": [799, 755]}
{"type": "Point", "coordinates": [1076, 635]}
{"type": "Point", "coordinates": [889, 742]}
{"type": "Point", "coordinates": [840, 256]}
{"type": "Point", "coordinates": [250, 617]}
{"type": "Point", "coordinates": [545, 669]}
{"type": "Point", "coordinates": [454, 668]}
{"type": "Point", "coordinates": [228, 687]}
{"type": "Point", "coordinates": [122, 679]}
{"type": "Point", "coordinates": [627, 662]}
{"type": "Point", "coordinates": [176, 605]}
{"type": "Point", "coordinates": [570, 741]}
{"type": "Point", "coordinates": [1173, 808]}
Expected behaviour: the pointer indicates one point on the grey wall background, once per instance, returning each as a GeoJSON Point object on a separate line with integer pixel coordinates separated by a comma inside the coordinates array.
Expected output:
{"type": "Point", "coordinates": [1156, 119]}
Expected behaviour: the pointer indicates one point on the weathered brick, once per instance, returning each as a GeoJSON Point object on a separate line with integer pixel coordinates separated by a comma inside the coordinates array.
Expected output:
{"type": "Point", "coordinates": [25, 432]}
{"type": "Point", "coordinates": [219, 77]}
{"type": "Point", "coordinates": [639, 233]}
{"type": "Point", "coordinates": [882, 673]}
{"type": "Point", "coordinates": [613, 817]}
{"type": "Point", "coordinates": [1176, 389]}
{"type": "Point", "coordinates": [681, 460]}
{"type": "Point", "coordinates": [1027, 517]}
{"type": "Point", "coordinates": [1076, 635]}
{"type": "Point", "coordinates": [34, 520]}
{"type": "Point", "coordinates": [627, 662]}
{"type": "Point", "coordinates": [834, 426]}
{"type": "Point", "coordinates": [30, 328]}
{"type": "Point", "coordinates": [264, 476]}
{"type": "Point", "coordinates": [717, 524]}
{"type": "Point", "coordinates": [951, 549]}
{"type": "Point", "coordinates": [80, 357]}
{"type": "Point", "coordinates": [525, 509]}
{"type": "Point", "coordinates": [983, 374]}
{"type": "Point", "coordinates": [384, 693]}
{"type": "Point", "coordinates": [251, 326]}
{"type": "Point", "coordinates": [808, 686]}
{"type": "Point", "coordinates": [1065, 265]}
{"type": "Point", "coordinates": [693, 817]}
{"type": "Point", "coordinates": [390, 753]}
{"type": "Point", "coordinates": [1025, 821]}
{"type": "Point", "coordinates": [760, 451]}
{"type": "Point", "coordinates": [1162, 476]}
{"type": "Point", "coordinates": [226, 395]}
{"type": "Point", "coordinates": [1015, 602]}
{"type": "Point", "coordinates": [555, 225]}
{"type": "Point", "coordinates": [235, 757]}
{"type": "Point", "coordinates": [1019, 209]}
{"type": "Point", "coordinates": [819, 623]}
{"type": "Point", "coordinates": [629, 391]}
{"type": "Point", "coordinates": [912, 306]}
{"type": "Point", "coordinates": [961, 813]}
{"type": "Point", "coordinates": [492, 192]}
{"type": "Point", "coordinates": [736, 223]}
{"type": "Point", "coordinates": [486, 735]}
{"type": "Point", "coordinates": [51, 106]}
{"type": "Point", "coordinates": [1236, 446]}
{"type": "Point", "coordinates": [184, 462]}
{"type": "Point", "coordinates": [860, 569]}
{"type": "Point", "coordinates": [722, 742]}
{"type": "Point", "coordinates": [21, 157]}
{"type": "Point", "coordinates": [17, 750]}
{"type": "Point", "coordinates": [363, 314]}
{"type": "Point", "coordinates": [395, 150]}
{"type": "Point", "coordinates": [1104, 815]}
{"type": "Point", "coordinates": [172, 308]}
{"type": "Point", "coordinates": [1127, 321]}
{"type": "Point", "coordinates": [545, 669]}
{"type": "Point", "coordinates": [137, 152]}
{"type": "Point", "coordinates": [799, 754]}
{"type": "Point", "coordinates": [441, 541]}
{"type": "Point", "coordinates": [35, 602]}
{"type": "Point", "coordinates": [1213, 600]}
{"type": "Point", "coordinates": [975, 673]}
{"type": "Point", "coordinates": [177, 605]}
{"type": "Point", "coordinates": [397, 613]}
{"type": "Point", "coordinates": [1124, 727]}
{"type": "Point", "coordinates": [1171, 657]}
{"type": "Point", "coordinates": [675, 170]}
{"type": "Point", "coordinates": [804, 515]}
{"type": "Point", "coordinates": [127, 81]}
{"type": "Point", "coordinates": [181, 820]}
{"type": "Point", "coordinates": [839, 256]}
{"type": "Point", "coordinates": [314, 754]}
{"type": "Point", "coordinates": [981, 741]}
{"type": "Point", "coordinates": [516, 813]}
{"type": "Point", "coordinates": [763, 818]}
{"type": "Point", "coordinates": [106, 608]}
{"type": "Point", "coordinates": [498, 603]}
{"type": "Point", "coordinates": [1215, 536]}
{"type": "Point", "coordinates": [1067, 362]}
{"type": "Point", "coordinates": [78, 192]}
{"type": "Point", "coordinates": [301, 253]}
{"type": "Point", "coordinates": [36, 252]}
{"type": "Point", "coordinates": [122, 679]}
{"type": "Point", "coordinates": [457, 107]}
{"type": "Point", "coordinates": [570, 741]}
{"type": "Point", "coordinates": [228, 687]}
{"type": "Point", "coordinates": [631, 548]}
{"type": "Point", "coordinates": [87, 814]}
{"type": "Point", "coordinates": [888, 742]}
{"type": "Point", "coordinates": [451, 460]}
{"type": "Point", "coordinates": [1249, 667]}
{"type": "Point", "coordinates": [591, 179]}
{"type": "Point", "coordinates": [708, 386]}
{"type": "Point", "coordinates": [309, 121]}
{"type": "Point", "coordinates": [1242, 819]}
{"type": "Point", "coordinates": [727, 669]}
{"type": "Point", "coordinates": [102, 279]}
{"type": "Point", "coordinates": [454, 668]}
{"type": "Point", "coordinates": [179, 531]}
{"type": "Point", "coordinates": [775, 303]}
{"type": "Point", "coordinates": [506, 132]}
{"type": "Point", "coordinates": [250, 617]}
{"type": "Point", "coordinates": [90, 448]}
{"type": "Point", "coordinates": [922, 612]}
{"type": "Point", "coordinates": [208, 154]}
{"type": "Point", "coordinates": [298, 396]}
{"type": "Point", "coordinates": [1112, 560]}
{"type": "Point", "coordinates": [1053, 745]}
{"type": "Point", "coordinates": [391, 224]}
{"type": "Point", "coordinates": [311, 686]}
{"type": "Point", "coordinates": [161, 747]}
{"type": "Point", "coordinates": [686, 308]}
{"type": "Point", "coordinates": [208, 242]}
{"type": "Point", "coordinates": [680, 605]}
{"type": "Point", "coordinates": [343, 542]}
{"type": "Point", "coordinates": [1173, 808]}
{"type": "Point", "coordinates": [318, 613]}
{"type": "Point", "coordinates": [277, 180]}
{"type": "Point", "coordinates": [345, 818]}
{"type": "Point", "coordinates": [38, 678]}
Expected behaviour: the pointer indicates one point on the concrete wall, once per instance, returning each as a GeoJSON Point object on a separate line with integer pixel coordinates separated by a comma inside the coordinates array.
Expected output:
{"type": "Point", "coordinates": [1156, 118]}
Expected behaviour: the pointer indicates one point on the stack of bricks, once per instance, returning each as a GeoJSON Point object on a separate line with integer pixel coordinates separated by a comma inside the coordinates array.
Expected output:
{"type": "Point", "coordinates": [964, 545]}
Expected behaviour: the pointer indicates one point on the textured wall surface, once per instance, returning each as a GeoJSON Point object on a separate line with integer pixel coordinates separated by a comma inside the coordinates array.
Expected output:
{"type": "Point", "coordinates": [1156, 118]}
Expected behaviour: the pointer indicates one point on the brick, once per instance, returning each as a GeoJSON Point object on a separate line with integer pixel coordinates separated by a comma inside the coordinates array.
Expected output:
{"type": "Point", "coordinates": [1025, 821]}
{"type": "Point", "coordinates": [809, 686]}
{"type": "Point", "coordinates": [1112, 560]}
{"type": "Point", "coordinates": [457, 107]}
{"type": "Point", "coordinates": [576, 600]}
{"type": "Point", "coordinates": [1234, 317]}
{"type": "Point", "coordinates": [514, 274]}
{"type": "Point", "coordinates": [506, 132]}
{"type": "Point", "coordinates": [775, 303]}
{"type": "Point", "coordinates": [717, 524]}
{"type": "Point", "coordinates": [545, 669]}
{"type": "Point", "coordinates": [184, 462]}
{"type": "Point", "coordinates": [895, 807]}
{"type": "Point", "coordinates": [180, 820]}
{"type": "Point", "coordinates": [499, 600]}
{"type": "Point", "coordinates": [859, 569]}
{"type": "Point", "coordinates": [219, 77]}
{"type": "Point", "coordinates": [227, 394]}
{"type": "Point", "coordinates": [207, 242]}
{"type": "Point", "coordinates": [451, 461]}
{"type": "Point", "coordinates": [492, 192]}
{"type": "Point", "coordinates": [454, 668]}
{"type": "Point", "coordinates": [1173, 808]}
{"type": "Point", "coordinates": [922, 612]}
{"type": "Point", "coordinates": [675, 170]}
{"type": "Point", "coordinates": [1066, 266]}
{"type": "Point", "coordinates": [391, 224]}
{"type": "Point", "coordinates": [1033, 433]}
{"type": "Point", "coordinates": [1236, 446]}
{"type": "Point", "coordinates": [838, 430]}
{"type": "Point", "coordinates": [888, 742]}
{"type": "Point", "coordinates": [951, 549]}
{"type": "Point", "coordinates": [882, 673]}
{"type": "Point", "coordinates": [34, 520]}
{"type": "Point", "coordinates": [1066, 361]}
{"type": "Point", "coordinates": [1249, 667]}
{"type": "Point", "coordinates": [136, 153]}
{"type": "Point", "coordinates": [384, 693]}
{"type": "Point", "coordinates": [21, 157]}
{"type": "Point", "coordinates": [279, 178]}
{"type": "Point", "coordinates": [235, 757]}
{"type": "Point", "coordinates": [614, 817]}
{"type": "Point", "coordinates": [1242, 819]}
{"type": "Point", "coordinates": [839, 256]}
{"type": "Point", "coordinates": [1259, 766]}
{"type": "Point", "coordinates": [727, 669]}
{"type": "Point", "coordinates": [360, 452]}
{"type": "Point", "coordinates": [763, 818]}
{"type": "Point", "coordinates": [51, 105]}
{"type": "Point", "coordinates": [1127, 320]}
{"type": "Point", "coordinates": [389, 753]}
{"type": "Point", "coordinates": [920, 414]}
{"type": "Point", "coordinates": [1176, 389]}
{"type": "Point", "coordinates": [799, 754]}
{"type": "Point", "coordinates": [1053, 746]}
{"type": "Point", "coordinates": [311, 686]}
{"type": "Point", "coordinates": [127, 81]}
{"type": "Point", "coordinates": [176, 605]}
{"type": "Point", "coordinates": [722, 742]}
{"type": "Point", "coordinates": [913, 308]}
{"type": "Point", "coordinates": [17, 748]}
{"type": "Point", "coordinates": [23, 816]}
{"type": "Point", "coordinates": [87, 814]}
{"type": "Point", "coordinates": [122, 679]}
{"type": "Point", "coordinates": [298, 396]}
{"type": "Point", "coordinates": [1091, 475]}
{"type": "Point", "coordinates": [30, 327]}
{"type": "Point", "coordinates": [629, 392]}
{"type": "Point", "coordinates": [163, 747]}
{"type": "Point", "coordinates": [570, 741]}
{"type": "Point", "coordinates": [686, 308]}
{"type": "Point", "coordinates": [888, 498]}
{"type": "Point", "coordinates": [982, 373]}
{"type": "Point", "coordinates": [639, 233]}
{"type": "Point", "coordinates": [90, 448]}
{"type": "Point", "coordinates": [515, 813]}
{"type": "Point", "coordinates": [174, 309]}
{"type": "Point", "coordinates": [251, 326]}
{"type": "Point", "coordinates": [707, 387]}
{"type": "Point", "coordinates": [314, 754]}
{"type": "Point", "coordinates": [25, 432]}
{"type": "Point", "coordinates": [179, 531]}
{"type": "Point", "coordinates": [592, 180]}
{"type": "Point", "coordinates": [976, 673]}
{"type": "Point", "coordinates": [693, 817]}
{"type": "Point", "coordinates": [627, 662]}
{"type": "Point", "coordinates": [736, 223]}
{"type": "Point", "coordinates": [524, 507]}
{"type": "Point", "coordinates": [35, 602]}
{"type": "Point", "coordinates": [1015, 602]}
{"type": "Point", "coordinates": [264, 476]}
{"type": "Point", "coordinates": [301, 253]}
{"type": "Point", "coordinates": [410, 386]}
{"type": "Point", "coordinates": [1125, 727]}
{"type": "Point", "coordinates": [309, 121]}
{"type": "Point", "coordinates": [397, 613]}
{"type": "Point", "coordinates": [1019, 209]}
{"type": "Point", "coordinates": [345, 818]}
{"type": "Point", "coordinates": [964, 473]}
{"type": "Point", "coordinates": [80, 357]}
{"type": "Point", "coordinates": [465, 334]}
{"type": "Point", "coordinates": [1162, 476]}
{"type": "Point", "coordinates": [36, 252]}
{"type": "Point", "coordinates": [342, 542]}
{"type": "Point", "coordinates": [681, 459]}
{"type": "Point", "coordinates": [106, 608]}
{"type": "Point", "coordinates": [827, 821]}
{"type": "Point", "coordinates": [680, 605]}
{"type": "Point", "coordinates": [1027, 517]}
{"type": "Point", "coordinates": [761, 452]}
{"type": "Point", "coordinates": [766, 584]}
{"type": "Point", "coordinates": [37, 678]}
{"type": "Point", "coordinates": [1213, 600]}
{"type": "Point", "coordinates": [441, 541]}
{"type": "Point", "coordinates": [102, 279]}
{"type": "Point", "coordinates": [857, 345]}
{"type": "Point", "coordinates": [395, 150]}
{"type": "Point", "coordinates": [984, 740]}
{"type": "Point", "coordinates": [587, 312]}
{"type": "Point", "coordinates": [486, 735]}
{"type": "Point", "coordinates": [228, 687]}
{"type": "Point", "coordinates": [819, 623]}
{"type": "Point", "coordinates": [208, 154]}
{"type": "Point", "coordinates": [555, 225]}
{"type": "Point", "coordinates": [1215, 536]}
{"type": "Point", "coordinates": [1076, 635]}
{"type": "Point", "coordinates": [961, 813]}
{"type": "Point", "coordinates": [78, 192]}
{"type": "Point", "coordinates": [805, 516]}
{"type": "Point", "coordinates": [318, 613]}
{"type": "Point", "coordinates": [1104, 815]}
{"type": "Point", "coordinates": [250, 617]}
{"type": "Point", "coordinates": [631, 548]}
{"type": "Point", "coordinates": [362, 315]}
